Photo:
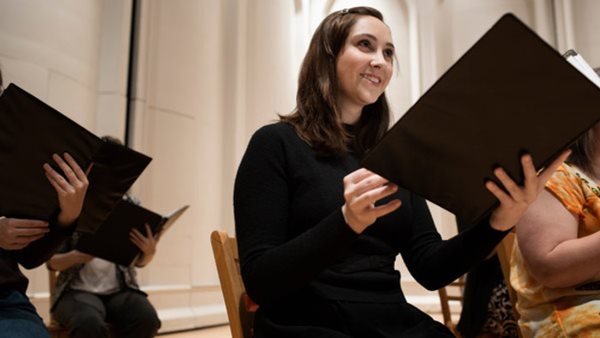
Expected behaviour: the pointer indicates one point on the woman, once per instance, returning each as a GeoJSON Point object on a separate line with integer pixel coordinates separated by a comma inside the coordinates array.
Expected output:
{"type": "Point", "coordinates": [555, 268]}
{"type": "Point", "coordinates": [317, 234]}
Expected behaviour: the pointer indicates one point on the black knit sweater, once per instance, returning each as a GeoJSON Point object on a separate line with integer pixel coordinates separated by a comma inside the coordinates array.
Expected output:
{"type": "Point", "coordinates": [33, 255]}
{"type": "Point", "coordinates": [293, 239]}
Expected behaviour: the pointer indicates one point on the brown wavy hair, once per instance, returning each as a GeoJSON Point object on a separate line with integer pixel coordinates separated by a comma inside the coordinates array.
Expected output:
{"type": "Point", "coordinates": [583, 149]}
{"type": "Point", "coordinates": [317, 118]}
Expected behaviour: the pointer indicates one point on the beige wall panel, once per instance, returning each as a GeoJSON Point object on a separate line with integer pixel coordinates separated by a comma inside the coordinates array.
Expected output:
{"type": "Point", "coordinates": [586, 26]}
{"type": "Point", "coordinates": [210, 201]}
{"type": "Point", "coordinates": [62, 36]}
{"type": "Point", "coordinates": [110, 115]}
{"type": "Point", "coordinates": [271, 74]}
{"type": "Point", "coordinates": [183, 132]}
{"type": "Point", "coordinates": [113, 68]}
{"type": "Point", "coordinates": [462, 22]}
{"type": "Point", "coordinates": [32, 77]}
{"type": "Point", "coordinates": [73, 99]}
{"type": "Point", "coordinates": [173, 176]}
{"type": "Point", "coordinates": [185, 63]}
{"type": "Point", "coordinates": [114, 42]}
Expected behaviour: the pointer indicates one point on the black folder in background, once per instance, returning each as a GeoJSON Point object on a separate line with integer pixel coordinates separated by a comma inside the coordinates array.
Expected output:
{"type": "Point", "coordinates": [112, 242]}
{"type": "Point", "coordinates": [115, 169]}
{"type": "Point", "coordinates": [510, 93]}
{"type": "Point", "coordinates": [30, 132]}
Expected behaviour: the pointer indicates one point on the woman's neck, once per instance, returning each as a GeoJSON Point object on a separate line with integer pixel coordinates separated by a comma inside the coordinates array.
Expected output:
{"type": "Point", "coordinates": [351, 114]}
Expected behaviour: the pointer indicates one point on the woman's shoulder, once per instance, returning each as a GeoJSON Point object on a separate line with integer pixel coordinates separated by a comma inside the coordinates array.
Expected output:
{"type": "Point", "coordinates": [568, 185]}
{"type": "Point", "coordinates": [275, 129]}
{"type": "Point", "coordinates": [562, 175]}
{"type": "Point", "coordinates": [277, 133]}
{"type": "Point", "coordinates": [566, 175]}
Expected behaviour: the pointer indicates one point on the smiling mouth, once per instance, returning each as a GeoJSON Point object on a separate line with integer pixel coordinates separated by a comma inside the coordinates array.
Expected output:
{"type": "Point", "coordinates": [371, 78]}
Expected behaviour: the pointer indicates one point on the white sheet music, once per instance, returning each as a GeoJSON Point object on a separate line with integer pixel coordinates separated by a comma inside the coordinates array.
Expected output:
{"type": "Point", "coordinates": [579, 62]}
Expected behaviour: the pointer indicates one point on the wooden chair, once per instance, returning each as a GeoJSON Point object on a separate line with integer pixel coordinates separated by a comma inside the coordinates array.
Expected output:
{"type": "Point", "coordinates": [504, 251]}
{"type": "Point", "coordinates": [240, 309]}
{"type": "Point", "coordinates": [56, 330]}
{"type": "Point", "coordinates": [453, 292]}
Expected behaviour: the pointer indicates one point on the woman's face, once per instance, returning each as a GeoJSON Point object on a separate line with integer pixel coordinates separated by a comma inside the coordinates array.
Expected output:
{"type": "Point", "coordinates": [364, 64]}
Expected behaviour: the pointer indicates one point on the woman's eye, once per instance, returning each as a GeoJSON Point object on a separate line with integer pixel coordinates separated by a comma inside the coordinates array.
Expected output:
{"type": "Point", "coordinates": [389, 53]}
{"type": "Point", "coordinates": [364, 43]}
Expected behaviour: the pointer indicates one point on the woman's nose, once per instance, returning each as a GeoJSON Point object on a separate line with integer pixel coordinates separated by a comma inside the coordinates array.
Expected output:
{"type": "Point", "coordinates": [378, 60]}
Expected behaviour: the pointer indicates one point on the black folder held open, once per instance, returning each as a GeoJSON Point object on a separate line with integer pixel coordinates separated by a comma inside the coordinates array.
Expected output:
{"type": "Point", "coordinates": [112, 242]}
{"type": "Point", "coordinates": [30, 132]}
{"type": "Point", "coordinates": [510, 93]}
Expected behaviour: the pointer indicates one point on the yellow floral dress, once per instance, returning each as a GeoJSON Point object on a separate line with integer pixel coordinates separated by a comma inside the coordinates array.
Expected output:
{"type": "Point", "coordinates": [561, 312]}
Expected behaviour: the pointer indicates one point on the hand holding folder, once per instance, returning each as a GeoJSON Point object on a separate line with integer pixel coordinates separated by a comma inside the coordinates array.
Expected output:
{"type": "Point", "coordinates": [30, 132]}
{"type": "Point", "coordinates": [70, 189]}
{"type": "Point", "coordinates": [515, 200]}
{"type": "Point", "coordinates": [511, 93]}
{"type": "Point", "coordinates": [112, 240]}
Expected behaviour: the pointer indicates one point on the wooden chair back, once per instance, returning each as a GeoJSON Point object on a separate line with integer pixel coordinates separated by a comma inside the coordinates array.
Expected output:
{"type": "Point", "coordinates": [452, 293]}
{"type": "Point", "coordinates": [56, 330]}
{"type": "Point", "coordinates": [240, 309]}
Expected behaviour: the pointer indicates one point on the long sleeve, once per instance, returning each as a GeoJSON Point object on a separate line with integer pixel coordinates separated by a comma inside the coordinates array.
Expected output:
{"type": "Point", "coordinates": [435, 262]}
{"type": "Point", "coordinates": [36, 253]}
{"type": "Point", "coordinates": [276, 257]}
{"type": "Point", "coordinates": [41, 250]}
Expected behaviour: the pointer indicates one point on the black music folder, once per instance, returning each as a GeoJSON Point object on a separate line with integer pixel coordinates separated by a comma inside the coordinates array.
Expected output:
{"type": "Point", "coordinates": [112, 242]}
{"type": "Point", "coordinates": [510, 93]}
{"type": "Point", "coordinates": [30, 132]}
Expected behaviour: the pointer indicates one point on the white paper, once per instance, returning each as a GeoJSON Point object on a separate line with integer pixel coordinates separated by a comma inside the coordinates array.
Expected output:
{"type": "Point", "coordinates": [578, 62]}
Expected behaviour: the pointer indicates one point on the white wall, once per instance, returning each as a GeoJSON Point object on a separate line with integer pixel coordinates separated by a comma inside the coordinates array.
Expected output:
{"type": "Point", "coordinates": [207, 75]}
{"type": "Point", "coordinates": [585, 34]}
{"type": "Point", "coordinates": [51, 50]}
{"type": "Point", "coordinates": [179, 122]}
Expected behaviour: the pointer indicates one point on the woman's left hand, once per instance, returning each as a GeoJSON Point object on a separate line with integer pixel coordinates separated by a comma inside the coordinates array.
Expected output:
{"type": "Point", "coordinates": [514, 203]}
{"type": "Point", "coordinates": [70, 190]}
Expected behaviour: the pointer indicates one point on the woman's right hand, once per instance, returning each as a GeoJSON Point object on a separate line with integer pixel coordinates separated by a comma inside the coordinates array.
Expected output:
{"type": "Point", "coordinates": [15, 234]}
{"type": "Point", "coordinates": [66, 260]}
{"type": "Point", "coordinates": [79, 257]}
{"type": "Point", "coordinates": [362, 189]}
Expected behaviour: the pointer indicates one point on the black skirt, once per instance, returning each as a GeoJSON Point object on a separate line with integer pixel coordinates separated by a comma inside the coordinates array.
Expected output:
{"type": "Point", "coordinates": [310, 316]}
